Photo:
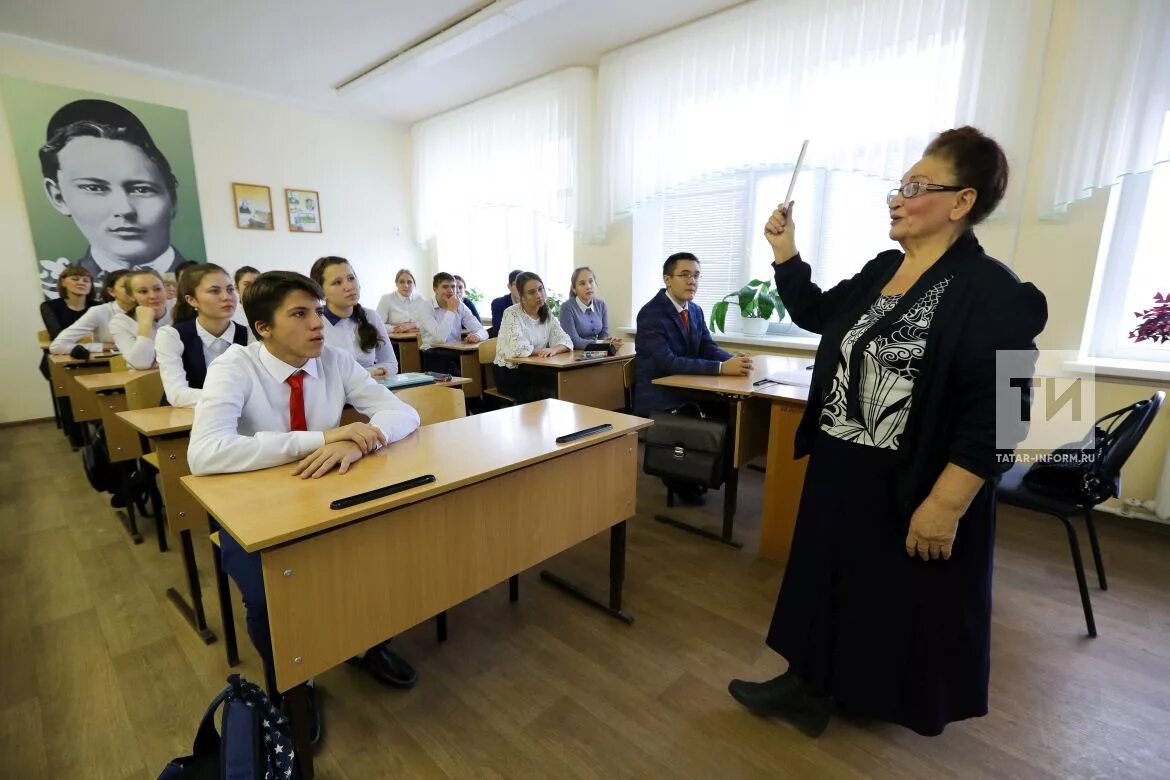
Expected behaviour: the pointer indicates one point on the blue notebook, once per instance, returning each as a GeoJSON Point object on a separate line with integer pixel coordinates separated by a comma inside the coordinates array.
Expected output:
{"type": "Point", "coordinates": [409, 379]}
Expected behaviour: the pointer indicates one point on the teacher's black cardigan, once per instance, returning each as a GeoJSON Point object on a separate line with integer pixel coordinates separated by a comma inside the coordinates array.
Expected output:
{"type": "Point", "coordinates": [952, 417]}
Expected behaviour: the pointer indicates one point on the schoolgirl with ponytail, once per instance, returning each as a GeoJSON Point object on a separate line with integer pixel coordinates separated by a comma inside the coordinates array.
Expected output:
{"type": "Point", "coordinates": [349, 326]}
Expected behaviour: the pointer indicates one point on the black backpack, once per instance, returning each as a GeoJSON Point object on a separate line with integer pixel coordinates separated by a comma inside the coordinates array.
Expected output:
{"type": "Point", "coordinates": [254, 741]}
{"type": "Point", "coordinates": [95, 457]}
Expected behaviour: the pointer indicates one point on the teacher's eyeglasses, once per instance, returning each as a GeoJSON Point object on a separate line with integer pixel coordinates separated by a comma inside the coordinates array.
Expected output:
{"type": "Point", "coordinates": [913, 189]}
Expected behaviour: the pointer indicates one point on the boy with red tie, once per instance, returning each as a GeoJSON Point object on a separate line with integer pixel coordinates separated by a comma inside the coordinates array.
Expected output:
{"type": "Point", "coordinates": [279, 400]}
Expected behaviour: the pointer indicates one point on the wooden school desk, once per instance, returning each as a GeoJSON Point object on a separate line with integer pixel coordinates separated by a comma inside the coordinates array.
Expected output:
{"type": "Point", "coordinates": [594, 382]}
{"type": "Point", "coordinates": [784, 474]}
{"type": "Point", "coordinates": [122, 443]}
{"type": "Point", "coordinates": [168, 429]}
{"type": "Point", "coordinates": [469, 368]}
{"type": "Point", "coordinates": [340, 581]}
{"type": "Point", "coordinates": [62, 371]}
{"type": "Point", "coordinates": [407, 348]}
{"type": "Point", "coordinates": [747, 427]}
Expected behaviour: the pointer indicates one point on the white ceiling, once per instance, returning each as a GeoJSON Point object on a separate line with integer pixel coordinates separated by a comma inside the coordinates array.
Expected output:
{"type": "Point", "coordinates": [300, 50]}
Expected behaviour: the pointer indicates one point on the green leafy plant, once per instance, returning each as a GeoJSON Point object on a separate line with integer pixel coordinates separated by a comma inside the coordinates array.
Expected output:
{"type": "Point", "coordinates": [756, 299]}
{"type": "Point", "coordinates": [473, 295]}
{"type": "Point", "coordinates": [554, 301]}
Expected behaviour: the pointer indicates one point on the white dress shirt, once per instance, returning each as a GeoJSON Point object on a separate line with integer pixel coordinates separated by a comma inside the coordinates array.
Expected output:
{"type": "Point", "coordinates": [162, 263]}
{"type": "Point", "coordinates": [520, 335]}
{"type": "Point", "coordinates": [242, 419]}
{"type": "Point", "coordinates": [393, 309]}
{"type": "Point", "coordinates": [441, 326]}
{"type": "Point", "coordinates": [95, 321]}
{"type": "Point", "coordinates": [168, 349]}
{"type": "Point", "coordinates": [342, 334]}
{"type": "Point", "coordinates": [137, 350]}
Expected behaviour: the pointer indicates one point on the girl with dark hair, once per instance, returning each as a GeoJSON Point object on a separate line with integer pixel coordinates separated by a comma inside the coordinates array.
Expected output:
{"type": "Point", "coordinates": [528, 329]}
{"type": "Point", "coordinates": [885, 608]}
{"type": "Point", "coordinates": [203, 330]}
{"type": "Point", "coordinates": [348, 326]}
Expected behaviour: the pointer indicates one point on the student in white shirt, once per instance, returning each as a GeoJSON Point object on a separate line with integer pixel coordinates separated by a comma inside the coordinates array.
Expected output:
{"type": "Point", "coordinates": [442, 320]}
{"type": "Point", "coordinates": [96, 321]}
{"type": "Point", "coordinates": [243, 278]}
{"type": "Point", "coordinates": [202, 329]}
{"type": "Point", "coordinates": [400, 308]}
{"type": "Point", "coordinates": [349, 326]}
{"type": "Point", "coordinates": [279, 400]}
{"type": "Point", "coordinates": [528, 330]}
{"type": "Point", "coordinates": [134, 334]}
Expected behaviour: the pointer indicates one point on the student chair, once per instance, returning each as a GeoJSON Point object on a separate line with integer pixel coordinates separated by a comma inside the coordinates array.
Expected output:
{"type": "Point", "coordinates": [487, 357]}
{"type": "Point", "coordinates": [628, 382]}
{"type": "Point", "coordinates": [1113, 448]}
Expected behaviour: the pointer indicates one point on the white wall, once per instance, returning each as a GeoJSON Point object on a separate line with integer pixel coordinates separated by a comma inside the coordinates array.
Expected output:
{"type": "Point", "coordinates": [360, 168]}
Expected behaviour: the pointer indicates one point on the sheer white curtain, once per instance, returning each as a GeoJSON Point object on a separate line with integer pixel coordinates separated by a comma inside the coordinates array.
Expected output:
{"type": "Point", "coordinates": [500, 183]}
{"type": "Point", "coordinates": [869, 81]}
{"type": "Point", "coordinates": [1114, 98]}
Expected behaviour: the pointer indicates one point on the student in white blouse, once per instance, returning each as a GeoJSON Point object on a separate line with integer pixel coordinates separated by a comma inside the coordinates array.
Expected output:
{"type": "Point", "coordinates": [202, 329]}
{"type": "Point", "coordinates": [134, 334]}
{"type": "Point", "coordinates": [277, 401]}
{"type": "Point", "coordinates": [400, 308]}
{"type": "Point", "coordinates": [528, 330]}
{"type": "Point", "coordinates": [96, 322]}
{"type": "Point", "coordinates": [442, 320]}
{"type": "Point", "coordinates": [348, 326]}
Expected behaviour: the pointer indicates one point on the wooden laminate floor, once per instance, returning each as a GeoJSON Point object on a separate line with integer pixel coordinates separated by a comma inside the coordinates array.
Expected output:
{"type": "Point", "coordinates": [100, 678]}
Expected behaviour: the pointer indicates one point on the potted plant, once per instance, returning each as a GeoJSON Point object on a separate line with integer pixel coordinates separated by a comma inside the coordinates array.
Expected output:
{"type": "Point", "coordinates": [757, 302]}
{"type": "Point", "coordinates": [1155, 321]}
{"type": "Point", "coordinates": [554, 301]}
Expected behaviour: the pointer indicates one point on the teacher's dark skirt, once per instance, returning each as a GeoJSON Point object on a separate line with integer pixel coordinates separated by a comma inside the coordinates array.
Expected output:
{"type": "Point", "coordinates": [888, 636]}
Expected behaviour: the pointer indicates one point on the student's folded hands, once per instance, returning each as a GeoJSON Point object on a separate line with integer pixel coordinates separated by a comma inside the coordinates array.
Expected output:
{"type": "Point", "coordinates": [367, 437]}
{"type": "Point", "coordinates": [323, 460]}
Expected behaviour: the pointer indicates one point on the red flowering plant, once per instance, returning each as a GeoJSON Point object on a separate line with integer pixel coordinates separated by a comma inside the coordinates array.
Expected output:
{"type": "Point", "coordinates": [1155, 321]}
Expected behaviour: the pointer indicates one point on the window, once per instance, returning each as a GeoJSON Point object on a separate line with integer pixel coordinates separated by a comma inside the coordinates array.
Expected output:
{"type": "Point", "coordinates": [841, 223]}
{"type": "Point", "coordinates": [492, 240]}
{"type": "Point", "coordinates": [1132, 264]}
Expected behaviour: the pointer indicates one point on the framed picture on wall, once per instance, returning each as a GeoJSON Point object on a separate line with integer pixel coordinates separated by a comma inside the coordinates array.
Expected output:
{"type": "Point", "coordinates": [253, 204]}
{"type": "Point", "coordinates": [304, 211]}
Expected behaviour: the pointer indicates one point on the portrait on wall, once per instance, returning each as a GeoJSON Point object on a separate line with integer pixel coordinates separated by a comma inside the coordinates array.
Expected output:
{"type": "Point", "coordinates": [304, 211]}
{"type": "Point", "coordinates": [109, 183]}
{"type": "Point", "coordinates": [253, 204]}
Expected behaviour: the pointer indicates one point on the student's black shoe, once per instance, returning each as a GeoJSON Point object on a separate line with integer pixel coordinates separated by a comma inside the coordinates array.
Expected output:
{"type": "Point", "coordinates": [387, 667]}
{"type": "Point", "coordinates": [689, 494]}
{"type": "Point", "coordinates": [788, 698]}
{"type": "Point", "coordinates": [316, 718]}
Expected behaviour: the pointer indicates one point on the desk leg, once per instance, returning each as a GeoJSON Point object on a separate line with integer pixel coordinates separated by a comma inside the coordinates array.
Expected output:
{"type": "Point", "coordinates": [130, 520]}
{"type": "Point", "coordinates": [617, 573]}
{"type": "Point", "coordinates": [295, 704]}
{"type": "Point", "coordinates": [514, 588]}
{"type": "Point", "coordinates": [193, 612]}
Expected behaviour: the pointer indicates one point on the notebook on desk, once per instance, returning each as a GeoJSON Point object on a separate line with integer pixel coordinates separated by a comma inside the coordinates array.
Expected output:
{"type": "Point", "coordinates": [409, 379]}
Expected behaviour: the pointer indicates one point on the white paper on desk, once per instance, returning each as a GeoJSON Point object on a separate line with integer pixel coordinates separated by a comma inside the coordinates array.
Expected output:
{"type": "Point", "coordinates": [798, 378]}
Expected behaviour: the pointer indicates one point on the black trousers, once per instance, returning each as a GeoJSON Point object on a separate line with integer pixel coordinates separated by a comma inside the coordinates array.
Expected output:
{"type": "Point", "coordinates": [440, 362]}
{"type": "Point", "coordinates": [525, 384]}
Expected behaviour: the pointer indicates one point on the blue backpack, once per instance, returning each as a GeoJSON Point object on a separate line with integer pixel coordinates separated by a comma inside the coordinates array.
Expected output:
{"type": "Point", "coordinates": [255, 743]}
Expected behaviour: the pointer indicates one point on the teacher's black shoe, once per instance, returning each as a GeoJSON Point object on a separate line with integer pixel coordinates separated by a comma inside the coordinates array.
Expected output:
{"type": "Point", "coordinates": [387, 667]}
{"type": "Point", "coordinates": [788, 698]}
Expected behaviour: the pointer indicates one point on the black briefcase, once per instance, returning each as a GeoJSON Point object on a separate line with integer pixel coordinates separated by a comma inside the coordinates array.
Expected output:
{"type": "Point", "coordinates": [684, 445]}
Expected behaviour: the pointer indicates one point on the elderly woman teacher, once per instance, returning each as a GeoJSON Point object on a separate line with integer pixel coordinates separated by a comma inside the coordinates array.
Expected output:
{"type": "Point", "coordinates": [885, 607]}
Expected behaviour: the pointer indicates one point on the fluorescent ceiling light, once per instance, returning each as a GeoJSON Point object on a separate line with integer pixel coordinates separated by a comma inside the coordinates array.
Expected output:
{"type": "Point", "coordinates": [479, 27]}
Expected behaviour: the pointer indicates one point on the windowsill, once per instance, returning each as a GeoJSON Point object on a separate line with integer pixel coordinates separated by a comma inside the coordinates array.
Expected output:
{"type": "Point", "coordinates": [795, 343]}
{"type": "Point", "coordinates": [1130, 371]}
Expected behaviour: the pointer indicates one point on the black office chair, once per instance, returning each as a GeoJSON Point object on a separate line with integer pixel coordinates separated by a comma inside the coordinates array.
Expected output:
{"type": "Point", "coordinates": [1097, 481]}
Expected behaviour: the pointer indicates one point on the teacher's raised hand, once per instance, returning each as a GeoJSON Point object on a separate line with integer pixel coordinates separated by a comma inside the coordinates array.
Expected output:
{"type": "Point", "coordinates": [781, 233]}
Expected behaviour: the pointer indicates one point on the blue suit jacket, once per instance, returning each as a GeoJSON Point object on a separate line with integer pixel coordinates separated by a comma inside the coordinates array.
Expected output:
{"type": "Point", "coordinates": [664, 348]}
{"type": "Point", "coordinates": [498, 307]}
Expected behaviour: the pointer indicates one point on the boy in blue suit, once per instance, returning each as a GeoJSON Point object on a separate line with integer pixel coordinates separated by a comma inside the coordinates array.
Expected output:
{"type": "Point", "coordinates": [673, 338]}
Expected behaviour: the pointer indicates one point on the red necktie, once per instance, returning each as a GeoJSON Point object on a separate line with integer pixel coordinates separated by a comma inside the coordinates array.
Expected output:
{"type": "Point", "coordinates": [296, 402]}
{"type": "Point", "coordinates": [686, 321]}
